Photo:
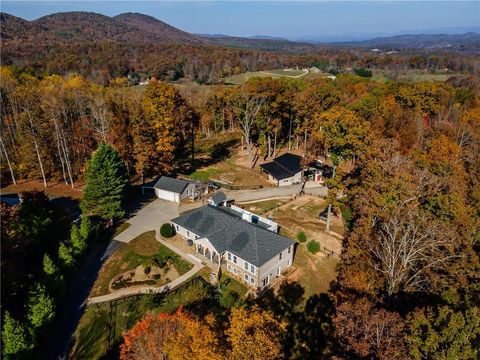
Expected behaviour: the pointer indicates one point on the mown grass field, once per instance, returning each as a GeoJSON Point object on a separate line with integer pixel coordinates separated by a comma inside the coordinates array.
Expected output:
{"type": "Point", "coordinates": [143, 250]}
{"type": "Point", "coordinates": [284, 72]}
{"type": "Point", "coordinates": [241, 78]}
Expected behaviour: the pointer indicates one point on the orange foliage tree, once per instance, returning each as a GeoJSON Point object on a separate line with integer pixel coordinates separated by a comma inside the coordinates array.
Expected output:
{"type": "Point", "coordinates": [171, 336]}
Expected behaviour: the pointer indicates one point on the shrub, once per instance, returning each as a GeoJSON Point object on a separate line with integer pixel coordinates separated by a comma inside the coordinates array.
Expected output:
{"type": "Point", "coordinates": [147, 270]}
{"type": "Point", "coordinates": [313, 246]}
{"type": "Point", "coordinates": [301, 236]}
{"type": "Point", "coordinates": [166, 230]}
{"type": "Point", "coordinates": [363, 72]}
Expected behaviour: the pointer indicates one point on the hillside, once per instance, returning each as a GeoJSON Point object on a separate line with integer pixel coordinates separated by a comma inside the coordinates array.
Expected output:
{"type": "Point", "coordinates": [469, 41]}
{"type": "Point", "coordinates": [92, 27]}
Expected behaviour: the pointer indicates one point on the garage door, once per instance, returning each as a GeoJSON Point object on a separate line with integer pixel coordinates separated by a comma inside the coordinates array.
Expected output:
{"type": "Point", "coordinates": [166, 195]}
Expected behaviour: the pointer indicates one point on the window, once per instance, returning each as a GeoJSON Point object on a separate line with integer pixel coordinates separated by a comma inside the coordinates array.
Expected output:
{"type": "Point", "coordinates": [229, 256]}
{"type": "Point", "coordinates": [288, 263]}
{"type": "Point", "coordinates": [176, 227]}
{"type": "Point", "coordinates": [229, 267]}
{"type": "Point", "coordinates": [265, 281]}
{"type": "Point", "coordinates": [234, 259]}
{"type": "Point", "coordinates": [252, 280]}
{"type": "Point", "coordinates": [280, 256]}
{"type": "Point", "coordinates": [246, 265]}
{"type": "Point", "coordinates": [289, 249]}
{"type": "Point", "coordinates": [235, 271]}
{"type": "Point", "coordinates": [252, 269]}
{"type": "Point", "coordinates": [188, 233]}
{"type": "Point", "coordinates": [245, 276]}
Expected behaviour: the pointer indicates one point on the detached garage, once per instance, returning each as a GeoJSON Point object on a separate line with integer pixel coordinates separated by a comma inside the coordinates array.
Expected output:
{"type": "Point", "coordinates": [174, 190]}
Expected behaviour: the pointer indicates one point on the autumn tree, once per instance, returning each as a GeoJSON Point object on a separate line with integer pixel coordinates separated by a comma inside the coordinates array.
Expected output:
{"type": "Point", "coordinates": [255, 334]}
{"type": "Point", "coordinates": [365, 331]}
{"type": "Point", "coordinates": [171, 336]}
{"type": "Point", "coordinates": [444, 333]}
{"type": "Point", "coordinates": [172, 119]}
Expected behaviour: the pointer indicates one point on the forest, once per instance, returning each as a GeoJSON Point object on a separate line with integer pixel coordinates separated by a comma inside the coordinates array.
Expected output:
{"type": "Point", "coordinates": [408, 282]}
{"type": "Point", "coordinates": [101, 49]}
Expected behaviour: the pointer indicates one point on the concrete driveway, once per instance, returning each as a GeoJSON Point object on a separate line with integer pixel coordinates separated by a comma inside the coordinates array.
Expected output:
{"type": "Point", "coordinates": [151, 217]}
{"type": "Point", "coordinates": [274, 192]}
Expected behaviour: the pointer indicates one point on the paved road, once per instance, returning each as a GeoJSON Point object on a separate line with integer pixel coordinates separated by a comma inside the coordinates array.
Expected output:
{"type": "Point", "coordinates": [275, 192]}
{"type": "Point", "coordinates": [151, 217]}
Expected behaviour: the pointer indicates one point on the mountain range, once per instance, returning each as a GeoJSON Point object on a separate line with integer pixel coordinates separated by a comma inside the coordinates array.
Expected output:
{"type": "Point", "coordinates": [139, 28]}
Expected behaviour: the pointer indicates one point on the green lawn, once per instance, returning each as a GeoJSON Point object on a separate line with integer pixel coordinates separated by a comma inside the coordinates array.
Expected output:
{"type": "Point", "coordinates": [143, 250]}
{"type": "Point", "coordinates": [262, 207]}
{"type": "Point", "coordinates": [91, 335]}
{"type": "Point", "coordinates": [230, 284]}
{"type": "Point", "coordinates": [282, 72]}
{"type": "Point", "coordinates": [243, 77]}
{"type": "Point", "coordinates": [204, 175]}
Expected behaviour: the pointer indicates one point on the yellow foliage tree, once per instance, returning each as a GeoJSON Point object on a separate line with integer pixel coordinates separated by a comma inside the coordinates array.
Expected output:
{"type": "Point", "coordinates": [255, 334]}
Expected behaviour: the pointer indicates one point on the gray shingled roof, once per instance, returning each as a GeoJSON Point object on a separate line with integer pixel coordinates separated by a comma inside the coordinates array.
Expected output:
{"type": "Point", "coordinates": [283, 166]}
{"type": "Point", "coordinates": [218, 197]}
{"type": "Point", "coordinates": [227, 232]}
{"type": "Point", "coordinates": [171, 184]}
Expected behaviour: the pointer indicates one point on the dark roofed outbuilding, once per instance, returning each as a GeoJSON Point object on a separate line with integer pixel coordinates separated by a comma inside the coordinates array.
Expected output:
{"type": "Point", "coordinates": [285, 169]}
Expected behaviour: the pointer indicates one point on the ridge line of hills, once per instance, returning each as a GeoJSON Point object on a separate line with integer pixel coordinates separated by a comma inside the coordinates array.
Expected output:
{"type": "Point", "coordinates": [140, 28]}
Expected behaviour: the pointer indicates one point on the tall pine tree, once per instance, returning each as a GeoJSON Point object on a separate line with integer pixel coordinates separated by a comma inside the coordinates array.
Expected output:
{"type": "Point", "coordinates": [104, 192]}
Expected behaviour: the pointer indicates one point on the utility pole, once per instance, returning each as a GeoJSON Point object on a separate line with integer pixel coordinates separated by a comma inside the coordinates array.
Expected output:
{"type": "Point", "coordinates": [330, 205]}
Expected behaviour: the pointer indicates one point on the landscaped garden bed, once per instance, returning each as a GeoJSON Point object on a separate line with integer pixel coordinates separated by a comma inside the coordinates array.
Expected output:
{"type": "Point", "coordinates": [142, 261]}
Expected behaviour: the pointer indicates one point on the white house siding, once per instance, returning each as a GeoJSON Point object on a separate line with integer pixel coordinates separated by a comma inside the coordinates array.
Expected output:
{"type": "Point", "coordinates": [240, 267]}
{"type": "Point", "coordinates": [270, 268]}
{"type": "Point", "coordinates": [167, 195]}
{"type": "Point", "coordinates": [297, 178]}
{"type": "Point", "coordinates": [189, 191]}
{"type": "Point", "coordinates": [184, 232]}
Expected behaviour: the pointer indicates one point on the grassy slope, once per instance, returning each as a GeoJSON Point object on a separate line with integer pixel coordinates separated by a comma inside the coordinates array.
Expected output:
{"type": "Point", "coordinates": [91, 335]}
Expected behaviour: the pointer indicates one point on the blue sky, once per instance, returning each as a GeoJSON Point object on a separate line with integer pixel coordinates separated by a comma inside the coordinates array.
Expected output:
{"type": "Point", "coordinates": [291, 19]}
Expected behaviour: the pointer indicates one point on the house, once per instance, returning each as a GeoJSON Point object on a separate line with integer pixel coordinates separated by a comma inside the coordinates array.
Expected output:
{"type": "Point", "coordinates": [218, 198]}
{"type": "Point", "coordinates": [284, 170]}
{"type": "Point", "coordinates": [175, 190]}
{"type": "Point", "coordinates": [248, 248]}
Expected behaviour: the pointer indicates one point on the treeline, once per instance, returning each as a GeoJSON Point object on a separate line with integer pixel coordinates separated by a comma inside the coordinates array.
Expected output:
{"type": "Point", "coordinates": [103, 61]}
{"type": "Point", "coordinates": [408, 280]}
{"type": "Point", "coordinates": [50, 126]}
{"type": "Point", "coordinates": [42, 252]}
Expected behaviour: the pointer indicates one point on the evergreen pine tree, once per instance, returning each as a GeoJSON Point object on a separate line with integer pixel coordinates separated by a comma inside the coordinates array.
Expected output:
{"type": "Point", "coordinates": [65, 254]}
{"type": "Point", "coordinates": [40, 307]}
{"type": "Point", "coordinates": [78, 242]}
{"type": "Point", "coordinates": [15, 343]}
{"type": "Point", "coordinates": [49, 267]}
{"type": "Point", "coordinates": [106, 184]}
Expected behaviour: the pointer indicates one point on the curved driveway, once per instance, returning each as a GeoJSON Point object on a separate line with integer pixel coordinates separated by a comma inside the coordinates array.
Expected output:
{"type": "Point", "coordinates": [151, 217]}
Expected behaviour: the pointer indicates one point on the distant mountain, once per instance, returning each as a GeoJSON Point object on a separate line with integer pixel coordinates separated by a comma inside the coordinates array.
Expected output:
{"type": "Point", "coordinates": [361, 36]}
{"type": "Point", "coordinates": [470, 41]}
{"type": "Point", "coordinates": [150, 25]}
{"type": "Point", "coordinates": [90, 27]}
